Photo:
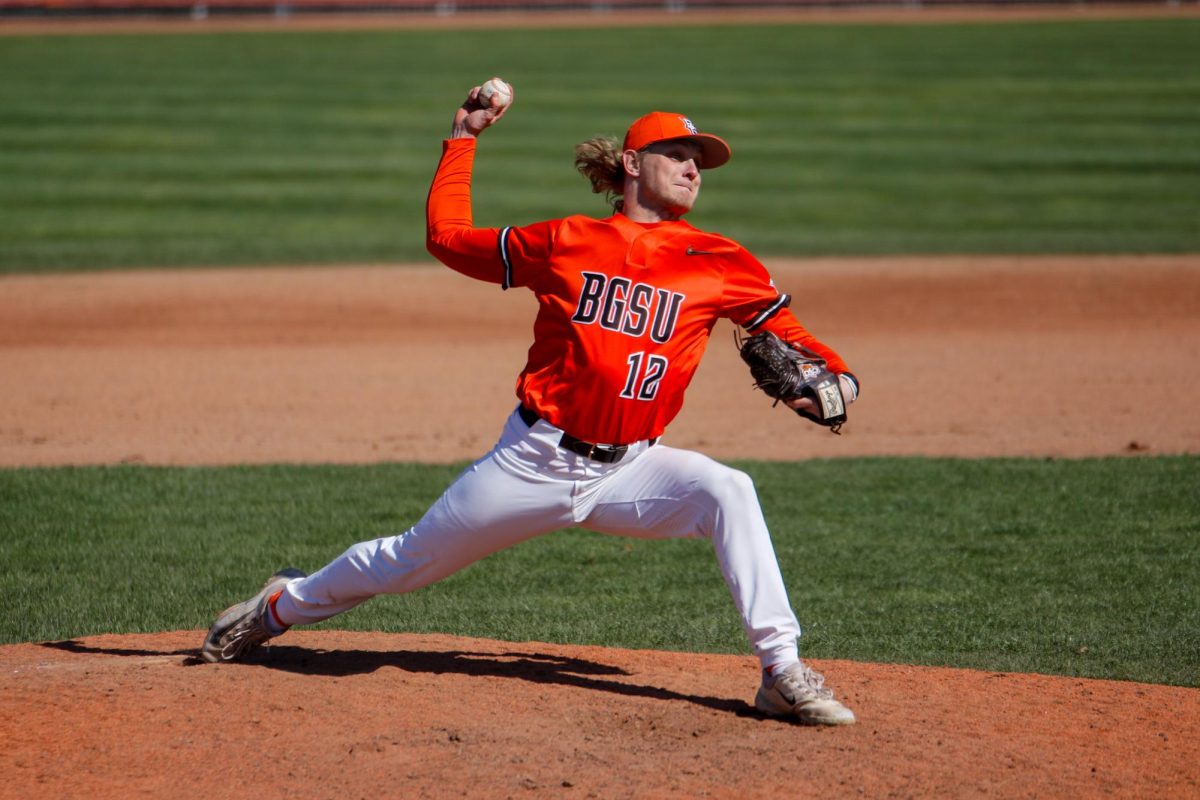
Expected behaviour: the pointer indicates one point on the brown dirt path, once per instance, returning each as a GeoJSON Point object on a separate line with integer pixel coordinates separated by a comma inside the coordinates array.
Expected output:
{"type": "Point", "coordinates": [961, 356]}
{"type": "Point", "coordinates": [1024, 356]}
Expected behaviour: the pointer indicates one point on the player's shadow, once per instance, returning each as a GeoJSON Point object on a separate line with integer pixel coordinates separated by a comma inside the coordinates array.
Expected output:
{"type": "Point", "coordinates": [527, 666]}
{"type": "Point", "coordinates": [75, 646]}
{"type": "Point", "coordinates": [520, 665]}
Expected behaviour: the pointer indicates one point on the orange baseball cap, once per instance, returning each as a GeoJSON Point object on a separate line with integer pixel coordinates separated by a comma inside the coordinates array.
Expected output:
{"type": "Point", "coordinates": [661, 126]}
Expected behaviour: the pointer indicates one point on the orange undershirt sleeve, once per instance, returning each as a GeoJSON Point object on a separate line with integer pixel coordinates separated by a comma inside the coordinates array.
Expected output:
{"type": "Point", "coordinates": [450, 235]}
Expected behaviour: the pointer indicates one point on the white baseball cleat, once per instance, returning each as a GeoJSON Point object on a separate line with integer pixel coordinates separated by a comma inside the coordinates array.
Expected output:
{"type": "Point", "coordinates": [243, 627]}
{"type": "Point", "coordinates": [799, 691]}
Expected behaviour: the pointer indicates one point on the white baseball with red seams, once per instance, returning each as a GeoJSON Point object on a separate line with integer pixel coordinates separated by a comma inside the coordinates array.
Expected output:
{"type": "Point", "coordinates": [495, 93]}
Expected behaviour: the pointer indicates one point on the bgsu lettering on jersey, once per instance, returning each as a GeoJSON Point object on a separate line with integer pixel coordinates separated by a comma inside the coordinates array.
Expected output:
{"type": "Point", "coordinates": [621, 305]}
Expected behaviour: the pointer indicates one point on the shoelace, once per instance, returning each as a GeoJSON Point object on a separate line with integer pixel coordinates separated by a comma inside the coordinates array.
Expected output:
{"type": "Point", "coordinates": [244, 636]}
{"type": "Point", "coordinates": [807, 680]}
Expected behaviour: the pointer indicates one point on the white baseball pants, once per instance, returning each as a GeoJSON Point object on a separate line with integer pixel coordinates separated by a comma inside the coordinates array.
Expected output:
{"type": "Point", "coordinates": [527, 486]}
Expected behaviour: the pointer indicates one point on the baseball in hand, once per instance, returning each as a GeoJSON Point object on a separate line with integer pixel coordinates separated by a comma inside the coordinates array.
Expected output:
{"type": "Point", "coordinates": [495, 93]}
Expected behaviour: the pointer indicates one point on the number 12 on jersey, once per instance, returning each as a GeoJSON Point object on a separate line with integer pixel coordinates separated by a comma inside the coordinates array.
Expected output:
{"type": "Point", "coordinates": [645, 372]}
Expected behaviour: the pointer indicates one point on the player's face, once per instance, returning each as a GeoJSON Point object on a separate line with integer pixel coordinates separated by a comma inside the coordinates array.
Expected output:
{"type": "Point", "coordinates": [669, 177]}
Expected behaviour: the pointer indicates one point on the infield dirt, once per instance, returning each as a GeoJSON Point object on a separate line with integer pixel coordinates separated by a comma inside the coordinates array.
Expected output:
{"type": "Point", "coordinates": [1043, 357]}
{"type": "Point", "coordinates": [1034, 356]}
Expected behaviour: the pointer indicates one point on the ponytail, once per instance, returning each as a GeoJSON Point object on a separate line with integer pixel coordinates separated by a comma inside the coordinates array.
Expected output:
{"type": "Point", "coordinates": [599, 160]}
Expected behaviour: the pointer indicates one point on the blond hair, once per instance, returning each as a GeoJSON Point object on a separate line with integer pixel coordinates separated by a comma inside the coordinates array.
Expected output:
{"type": "Point", "coordinates": [599, 160]}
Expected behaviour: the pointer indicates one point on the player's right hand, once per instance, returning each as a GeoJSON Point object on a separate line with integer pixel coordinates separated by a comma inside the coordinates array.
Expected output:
{"type": "Point", "coordinates": [473, 117]}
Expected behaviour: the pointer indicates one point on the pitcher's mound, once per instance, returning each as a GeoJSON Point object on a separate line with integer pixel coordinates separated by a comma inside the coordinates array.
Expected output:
{"type": "Point", "coordinates": [365, 715]}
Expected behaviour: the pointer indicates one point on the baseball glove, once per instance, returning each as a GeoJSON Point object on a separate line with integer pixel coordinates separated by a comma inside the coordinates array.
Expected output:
{"type": "Point", "coordinates": [786, 372]}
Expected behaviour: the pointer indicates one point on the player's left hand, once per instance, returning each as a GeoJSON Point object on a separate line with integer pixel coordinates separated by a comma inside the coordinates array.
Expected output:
{"type": "Point", "coordinates": [806, 404]}
{"type": "Point", "coordinates": [849, 391]}
{"type": "Point", "coordinates": [800, 404]}
{"type": "Point", "coordinates": [473, 116]}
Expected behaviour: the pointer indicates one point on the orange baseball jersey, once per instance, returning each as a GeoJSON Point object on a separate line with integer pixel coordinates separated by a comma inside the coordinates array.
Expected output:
{"type": "Point", "coordinates": [625, 309]}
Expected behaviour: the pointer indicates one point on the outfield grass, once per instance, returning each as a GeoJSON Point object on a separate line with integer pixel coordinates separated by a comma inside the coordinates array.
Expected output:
{"type": "Point", "coordinates": [307, 147]}
{"type": "Point", "coordinates": [1085, 568]}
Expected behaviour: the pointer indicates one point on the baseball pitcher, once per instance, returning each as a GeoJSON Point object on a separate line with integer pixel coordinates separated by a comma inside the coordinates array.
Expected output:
{"type": "Point", "coordinates": [626, 304]}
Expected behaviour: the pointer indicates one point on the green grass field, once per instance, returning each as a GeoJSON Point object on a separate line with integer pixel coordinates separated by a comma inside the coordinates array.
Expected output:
{"type": "Point", "coordinates": [1085, 568]}
{"type": "Point", "coordinates": [305, 147]}
{"type": "Point", "coordinates": [294, 147]}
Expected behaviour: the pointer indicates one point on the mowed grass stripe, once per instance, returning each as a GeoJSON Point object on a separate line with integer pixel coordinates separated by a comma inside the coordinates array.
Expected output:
{"type": "Point", "coordinates": [301, 147]}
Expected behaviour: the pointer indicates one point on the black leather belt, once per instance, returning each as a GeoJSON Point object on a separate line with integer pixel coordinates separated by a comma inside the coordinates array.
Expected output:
{"type": "Point", "coordinates": [604, 453]}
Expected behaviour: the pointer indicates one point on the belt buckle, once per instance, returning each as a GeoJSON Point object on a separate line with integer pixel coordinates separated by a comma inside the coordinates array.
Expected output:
{"type": "Point", "coordinates": [612, 453]}
{"type": "Point", "coordinates": [604, 453]}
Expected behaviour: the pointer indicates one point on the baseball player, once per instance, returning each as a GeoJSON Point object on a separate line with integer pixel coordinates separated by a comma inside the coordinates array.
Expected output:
{"type": "Point", "coordinates": [625, 308]}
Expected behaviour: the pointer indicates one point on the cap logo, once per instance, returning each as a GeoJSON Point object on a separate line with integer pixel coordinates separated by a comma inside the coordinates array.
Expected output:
{"type": "Point", "coordinates": [687, 123]}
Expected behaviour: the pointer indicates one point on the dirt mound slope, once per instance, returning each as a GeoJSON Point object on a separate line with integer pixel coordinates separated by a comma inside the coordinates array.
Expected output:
{"type": "Point", "coordinates": [327, 714]}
